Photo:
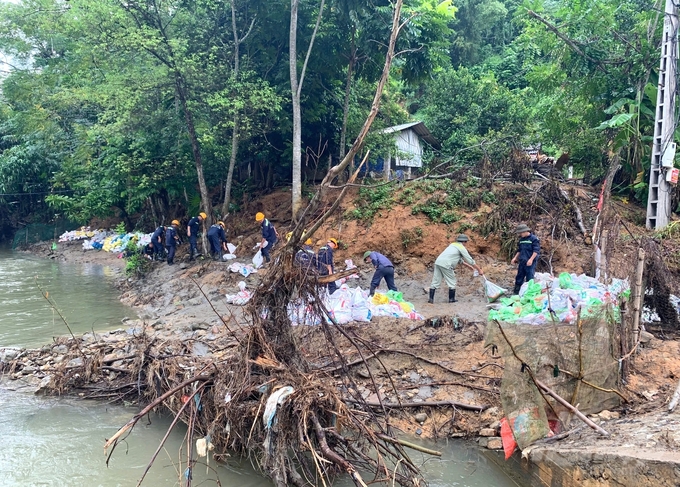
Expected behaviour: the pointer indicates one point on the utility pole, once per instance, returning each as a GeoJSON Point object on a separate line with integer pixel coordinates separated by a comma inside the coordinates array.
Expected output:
{"type": "Point", "coordinates": [663, 148]}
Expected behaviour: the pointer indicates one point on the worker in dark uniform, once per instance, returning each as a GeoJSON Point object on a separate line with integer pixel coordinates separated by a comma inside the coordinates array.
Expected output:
{"type": "Point", "coordinates": [150, 251]}
{"type": "Point", "coordinates": [157, 243]}
{"type": "Point", "coordinates": [383, 270]}
{"type": "Point", "coordinates": [172, 241]}
{"type": "Point", "coordinates": [528, 250]}
{"type": "Point", "coordinates": [218, 240]}
{"type": "Point", "coordinates": [326, 265]}
{"type": "Point", "coordinates": [192, 232]}
{"type": "Point", "coordinates": [305, 258]}
{"type": "Point", "coordinates": [269, 236]}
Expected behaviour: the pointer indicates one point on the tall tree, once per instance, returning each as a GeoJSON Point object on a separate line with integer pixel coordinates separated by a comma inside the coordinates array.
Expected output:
{"type": "Point", "coordinates": [235, 134]}
{"type": "Point", "coordinates": [296, 92]}
{"type": "Point", "coordinates": [154, 35]}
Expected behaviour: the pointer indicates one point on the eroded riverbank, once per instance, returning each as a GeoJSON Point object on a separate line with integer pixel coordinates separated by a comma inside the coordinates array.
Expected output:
{"type": "Point", "coordinates": [425, 365]}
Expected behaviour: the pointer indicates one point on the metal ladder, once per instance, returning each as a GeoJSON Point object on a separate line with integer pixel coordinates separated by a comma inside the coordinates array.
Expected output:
{"type": "Point", "coordinates": [659, 198]}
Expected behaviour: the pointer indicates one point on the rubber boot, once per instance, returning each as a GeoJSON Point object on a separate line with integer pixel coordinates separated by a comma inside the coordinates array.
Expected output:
{"type": "Point", "coordinates": [431, 300]}
{"type": "Point", "coordinates": [515, 291]}
{"type": "Point", "coordinates": [452, 296]}
{"type": "Point", "coordinates": [372, 291]}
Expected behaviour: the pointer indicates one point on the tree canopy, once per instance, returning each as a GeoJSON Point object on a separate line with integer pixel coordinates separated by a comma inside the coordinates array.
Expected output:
{"type": "Point", "coordinates": [169, 106]}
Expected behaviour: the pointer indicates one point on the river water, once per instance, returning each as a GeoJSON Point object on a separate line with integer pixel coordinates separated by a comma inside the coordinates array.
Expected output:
{"type": "Point", "coordinates": [58, 442]}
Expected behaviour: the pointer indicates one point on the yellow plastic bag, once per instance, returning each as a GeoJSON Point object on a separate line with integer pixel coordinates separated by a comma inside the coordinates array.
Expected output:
{"type": "Point", "coordinates": [379, 298]}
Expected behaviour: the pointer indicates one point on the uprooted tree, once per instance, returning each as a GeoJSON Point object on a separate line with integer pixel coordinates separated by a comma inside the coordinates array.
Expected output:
{"type": "Point", "coordinates": [266, 400]}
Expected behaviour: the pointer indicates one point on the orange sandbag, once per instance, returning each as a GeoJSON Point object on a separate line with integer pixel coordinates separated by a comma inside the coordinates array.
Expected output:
{"type": "Point", "coordinates": [509, 443]}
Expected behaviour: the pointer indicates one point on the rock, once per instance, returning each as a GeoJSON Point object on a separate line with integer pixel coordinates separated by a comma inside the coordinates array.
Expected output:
{"type": "Point", "coordinates": [28, 369]}
{"type": "Point", "coordinates": [414, 377]}
{"type": "Point", "coordinates": [363, 373]}
{"type": "Point", "coordinates": [496, 425]}
{"type": "Point", "coordinates": [419, 431]}
{"type": "Point", "coordinates": [60, 349]}
{"type": "Point", "coordinates": [607, 415]}
{"type": "Point", "coordinates": [421, 417]}
{"type": "Point", "coordinates": [495, 444]}
{"type": "Point", "coordinates": [492, 411]}
{"type": "Point", "coordinates": [42, 387]}
{"type": "Point", "coordinates": [200, 326]}
{"type": "Point", "coordinates": [7, 354]}
{"type": "Point", "coordinates": [645, 337]}
{"type": "Point", "coordinates": [487, 432]}
{"type": "Point", "coordinates": [199, 349]}
{"type": "Point", "coordinates": [425, 392]}
{"type": "Point", "coordinates": [183, 266]}
{"type": "Point", "coordinates": [483, 441]}
{"type": "Point", "coordinates": [76, 362]}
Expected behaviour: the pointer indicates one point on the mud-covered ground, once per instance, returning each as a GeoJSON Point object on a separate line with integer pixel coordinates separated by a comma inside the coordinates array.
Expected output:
{"type": "Point", "coordinates": [414, 361]}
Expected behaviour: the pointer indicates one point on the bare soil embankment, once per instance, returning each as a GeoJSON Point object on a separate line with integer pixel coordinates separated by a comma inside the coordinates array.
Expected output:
{"type": "Point", "coordinates": [182, 326]}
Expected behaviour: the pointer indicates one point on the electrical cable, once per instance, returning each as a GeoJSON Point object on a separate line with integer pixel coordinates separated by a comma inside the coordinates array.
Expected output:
{"type": "Point", "coordinates": [39, 192]}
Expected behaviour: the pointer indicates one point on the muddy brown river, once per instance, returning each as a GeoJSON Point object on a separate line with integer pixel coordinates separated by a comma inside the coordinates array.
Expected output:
{"type": "Point", "coordinates": [58, 442]}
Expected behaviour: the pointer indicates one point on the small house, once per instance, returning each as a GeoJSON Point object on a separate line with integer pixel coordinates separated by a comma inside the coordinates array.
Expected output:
{"type": "Point", "coordinates": [408, 151]}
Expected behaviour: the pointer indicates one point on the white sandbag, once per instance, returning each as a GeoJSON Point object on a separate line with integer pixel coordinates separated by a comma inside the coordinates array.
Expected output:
{"type": "Point", "coordinates": [228, 256]}
{"type": "Point", "coordinates": [231, 248]}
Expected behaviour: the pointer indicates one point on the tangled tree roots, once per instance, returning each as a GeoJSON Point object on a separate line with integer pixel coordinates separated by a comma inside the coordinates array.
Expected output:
{"type": "Point", "coordinates": [662, 284]}
{"type": "Point", "coordinates": [313, 433]}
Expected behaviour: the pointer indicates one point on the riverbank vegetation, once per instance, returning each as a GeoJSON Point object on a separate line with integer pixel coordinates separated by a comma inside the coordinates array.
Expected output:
{"type": "Point", "coordinates": [120, 108]}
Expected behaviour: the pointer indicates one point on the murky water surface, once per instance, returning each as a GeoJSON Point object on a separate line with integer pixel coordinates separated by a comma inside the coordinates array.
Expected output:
{"type": "Point", "coordinates": [58, 442]}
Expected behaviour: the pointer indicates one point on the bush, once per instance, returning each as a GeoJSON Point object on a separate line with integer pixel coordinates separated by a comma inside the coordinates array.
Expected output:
{"type": "Point", "coordinates": [370, 201]}
{"type": "Point", "coordinates": [410, 237]}
{"type": "Point", "coordinates": [137, 264]}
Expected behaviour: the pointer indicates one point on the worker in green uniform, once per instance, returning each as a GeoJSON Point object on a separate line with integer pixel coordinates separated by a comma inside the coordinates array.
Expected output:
{"type": "Point", "coordinates": [445, 265]}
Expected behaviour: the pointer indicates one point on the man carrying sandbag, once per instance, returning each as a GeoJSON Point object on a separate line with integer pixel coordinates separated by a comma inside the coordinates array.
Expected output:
{"type": "Point", "coordinates": [446, 263]}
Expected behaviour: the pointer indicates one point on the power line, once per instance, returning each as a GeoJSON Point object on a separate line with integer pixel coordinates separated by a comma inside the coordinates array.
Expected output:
{"type": "Point", "coordinates": [39, 192]}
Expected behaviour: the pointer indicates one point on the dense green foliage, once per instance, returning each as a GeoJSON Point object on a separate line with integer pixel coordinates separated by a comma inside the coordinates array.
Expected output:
{"type": "Point", "coordinates": [117, 107]}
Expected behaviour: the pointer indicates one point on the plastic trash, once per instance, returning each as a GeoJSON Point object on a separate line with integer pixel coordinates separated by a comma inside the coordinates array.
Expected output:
{"type": "Point", "coordinates": [276, 399]}
{"type": "Point", "coordinates": [258, 259]}
{"type": "Point", "coordinates": [508, 439]}
{"type": "Point", "coordinates": [231, 248]}
{"type": "Point", "coordinates": [493, 291]}
{"type": "Point", "coordinates": [228, 257]}
{"type": "Point", "coordinates": [395, 296]}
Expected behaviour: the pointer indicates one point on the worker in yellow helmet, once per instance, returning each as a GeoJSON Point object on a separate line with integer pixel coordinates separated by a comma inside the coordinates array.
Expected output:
{"type": "Point", "coordinates": [218, 239]}
{"type": "Point", "coordinates": [192, 233]}
{"type": "Point", "coordinates": [326, 265]}
{"type": "Point", "coordinates": [269, 236]}
{"type": "Point", "coordinates": [172, 241]}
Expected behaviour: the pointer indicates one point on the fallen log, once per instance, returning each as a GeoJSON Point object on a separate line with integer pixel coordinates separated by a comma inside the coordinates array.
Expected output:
{"type": "Point", "coordinates": [337, 275]}
{"type": "Point", "coordinates": [404, 405]}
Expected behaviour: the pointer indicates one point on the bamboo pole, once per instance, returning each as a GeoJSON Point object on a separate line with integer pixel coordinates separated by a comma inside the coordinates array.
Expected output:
{"type": "Point", "coordinates": [408, 444]}
{"type": "Point", "coordinates": [571, 408]}
{"type": "Point", "coordinates": [637, 294]}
